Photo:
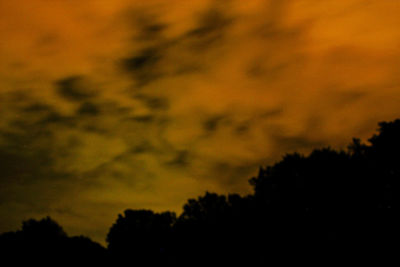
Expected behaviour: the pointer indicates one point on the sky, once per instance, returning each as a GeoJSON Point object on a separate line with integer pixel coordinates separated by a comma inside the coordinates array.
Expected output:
{"type": "Point", "coordinates": [109, 105]}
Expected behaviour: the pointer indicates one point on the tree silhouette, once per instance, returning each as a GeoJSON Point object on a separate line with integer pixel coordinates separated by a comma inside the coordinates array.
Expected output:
{"type": "Point", "coordinates": [44, 241]}
{"type": "Point", "coordinates": [143, 235]}
{"type": "Point", "coordinates": [45, 229]}
{"type": "Point", "coordinates": [334, 200]}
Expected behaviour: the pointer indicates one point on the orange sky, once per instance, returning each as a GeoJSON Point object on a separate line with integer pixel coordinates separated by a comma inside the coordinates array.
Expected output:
{"type": "Point", "coordinates": [109, 105]}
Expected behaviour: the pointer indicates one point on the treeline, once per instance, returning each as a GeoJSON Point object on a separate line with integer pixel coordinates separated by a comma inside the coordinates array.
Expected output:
{"type": "Point", "coordinates": [323, 206]}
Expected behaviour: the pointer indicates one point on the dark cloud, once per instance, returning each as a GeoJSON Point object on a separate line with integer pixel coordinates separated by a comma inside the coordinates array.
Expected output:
{"type": "Point", "coordinates": [93, 128]}
{"type": "Point", "coordinates": [111, 108]}
{"type": "Point", "coordinates": [271, 113]}
{"type": "Point", "coordinates": [181, 159]}
{"type": "Point", "coordinates": [143, 65]}
{"type": "Point", "coordinates": [161, 55]}
{"type": "Point", "coordinates": [145, 23]}
{"type": "Point", "coordinates": [232, 176]}
{"type": "Point", "coordinates": [22, 166]}
{"type": "Point", "coordinates": [18, 99]}
{"type": "Point", "coordinates": [23, 155]}
{"type": "Point", "coordinates": [56, 118]}
{"type": "Point", "coordinates": [46, 119]}
{"type": "Point", "coordinates": [29, 115]}
{"type": "Point", "coordinates": [149, 28]}
{"type": "Point", "coordinates": [74, 88]}
{"type": "Point", "coordinates": [154, 102]}
{"type": "Point", "coordinates": [283, 140]}
{"type": "Point", "coordinates": [152, 30]}
{"type": "Point", "coordinates": [242, 128]}
{"type": "Point", "coordinates": [212, 123]}
{"type": "Point", "coordinates": [88, 109]}
{"type": "Point", "coordinates": [149, 45]}
{"type": "Point", "coordinates": [211, 26]}
{"type": "Point", "coordinates": [143, 118]}
{"type": "Point", "coordinates": [38, 108]}
{"type": "Point", "coordinates": [39, 117]}
{"type": "Point", "coordinates": [145, 59]}
{"type": "Point", "coordinates": [143, 147]}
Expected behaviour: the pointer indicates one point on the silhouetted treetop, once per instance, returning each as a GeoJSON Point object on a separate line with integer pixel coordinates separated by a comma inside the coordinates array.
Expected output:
{"type": "Point", "coordinates": [388, 137]}
{"type": "Point", "coordinates": [208, 208]}
{"type": "Point", "coordinates": [44, 241]}
{"type": "Point", "coordinates": [45, 229]}
{"type": "Point", "coordinates": [142, 234]}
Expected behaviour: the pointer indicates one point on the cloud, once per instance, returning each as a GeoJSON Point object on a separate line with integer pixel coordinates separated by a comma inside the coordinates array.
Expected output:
{"type": "Point", "coordinates": [176, 98]}
{"type": "Point", "coordinates": [28, 156]}
{"type": "Point", "coordinates": [160, 55]}
{"type": "Point", "coordinates": [154, 102]}
{"type": "Point", "coordinates": [233, 175]}
{"type": "Point", "coordinates": [148, 27]}
{"type": "Point", "coordinates": [144, 147]}
{"type": "Point", "coordinates": [212, 123]}
{"type": "Point", "coordinates": [143, 119]}
{"type": "Point", "coordinates": [210, 27]}
{"type": "Point", "coordinates": [88, 108]}
{"type": "Point", "coordinates": [54, 117]}
{"type": "Point", "coordinates": [38, 107]}
{"type": "Point", "coordinates": [74, 88]}
{"type": "Point", "coordinates": [181, 159]}
{"type": "Point", "coordinates": [143, 66]}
